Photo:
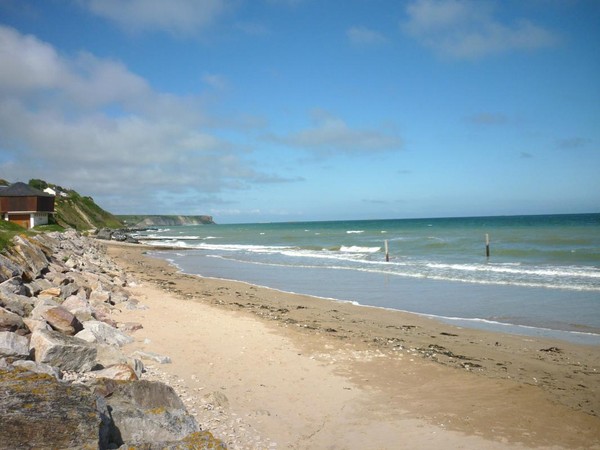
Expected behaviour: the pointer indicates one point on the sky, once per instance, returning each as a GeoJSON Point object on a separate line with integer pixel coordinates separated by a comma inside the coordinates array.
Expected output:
{"type": "Point", "coordinates": [294, 110]}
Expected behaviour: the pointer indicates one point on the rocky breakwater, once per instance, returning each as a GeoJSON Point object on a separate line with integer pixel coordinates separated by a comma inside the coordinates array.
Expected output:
{"type": "Point", "coordinates": [64, 380]}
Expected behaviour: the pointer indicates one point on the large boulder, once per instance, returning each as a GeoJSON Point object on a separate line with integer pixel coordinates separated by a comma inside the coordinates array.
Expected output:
{"type": "Point", "coordinates": [18, 304]}
{"type": "Point", "coordinates": [32, 366]}
{"type": "Point", "coordinates": [64, 352]}
{"type": "Point", "coordinates": [9, 269]}
{"type": "Point", "coordinates": [36, 286]}
{"type": "Point", "coordinates": [39, 412]}
{"type": "Point", "coordinates": [10, 321]}
{"type": "Point", "coordinates": [42, 305]}
{"type": "Point", "coordinates": [145, 411]}
{"type": "Point", "coordinates": [13, 345]}
{"type": "Point", "coordinates": [31, 256]}
{"type": "Point", "coordinates": [13, 286]}
{"type": "Point", "coordinates": [104, 234]}
{"type": "Point", "coordinates": [61, 319]}
{"type": "Point", "coordinates": [106, 334]}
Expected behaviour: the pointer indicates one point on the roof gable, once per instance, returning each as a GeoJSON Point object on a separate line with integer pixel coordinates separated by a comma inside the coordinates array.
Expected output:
{"type": "Point", "coordinates": [20, 189]}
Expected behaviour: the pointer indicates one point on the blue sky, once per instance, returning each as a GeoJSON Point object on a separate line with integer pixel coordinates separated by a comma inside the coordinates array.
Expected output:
{"type": "Point", "coordinates": [288, 110]}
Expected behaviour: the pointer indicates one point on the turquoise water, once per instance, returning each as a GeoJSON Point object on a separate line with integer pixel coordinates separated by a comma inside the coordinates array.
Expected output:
{"type": "Point", "coordinates": [542, 276]}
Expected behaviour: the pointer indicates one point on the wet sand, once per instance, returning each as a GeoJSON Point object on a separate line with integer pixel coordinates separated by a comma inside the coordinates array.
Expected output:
{"type": "Point", "coordinates": [267, 369]}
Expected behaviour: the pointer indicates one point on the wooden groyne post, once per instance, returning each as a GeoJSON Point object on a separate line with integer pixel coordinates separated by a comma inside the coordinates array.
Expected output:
{"type": "Point", "coordinates": [387, 253]}
{"type": "Point", "coordinates": [487, 245]}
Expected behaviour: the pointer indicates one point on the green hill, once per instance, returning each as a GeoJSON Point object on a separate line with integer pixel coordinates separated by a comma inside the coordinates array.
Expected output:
{"type": "Point", "coordinates": [76, 211]}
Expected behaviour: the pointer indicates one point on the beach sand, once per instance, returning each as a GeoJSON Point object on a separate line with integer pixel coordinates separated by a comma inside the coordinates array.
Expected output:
{"type": "Point", "coordinates": [262, 368]}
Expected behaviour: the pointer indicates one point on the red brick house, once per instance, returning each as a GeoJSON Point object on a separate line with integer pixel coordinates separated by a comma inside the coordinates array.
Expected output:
{"type": "Point", "coordinates": [24, 205]}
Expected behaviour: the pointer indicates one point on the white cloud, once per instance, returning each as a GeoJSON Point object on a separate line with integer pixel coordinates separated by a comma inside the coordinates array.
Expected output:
{"type": "Point", "coordinates": [27, 62]}
{"type": "Point", "coordinates": [361, 35]}
{"type": "Point", "coordinates": [330, 134]}
{"type": "Point", "coordinates": [174, 16]}
{"type": "Point", "coordinates": [467, 29]}
{"type": "Point", "coordinates": [215, 81]}
{"type": "Point", "coordinates": [91, 124]}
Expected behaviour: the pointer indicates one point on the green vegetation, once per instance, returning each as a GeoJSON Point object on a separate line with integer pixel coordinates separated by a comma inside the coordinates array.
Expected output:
{"type": "Point", "coordinates": [8, 230]}
{"type": "Point", "coordinates": [82, 213]}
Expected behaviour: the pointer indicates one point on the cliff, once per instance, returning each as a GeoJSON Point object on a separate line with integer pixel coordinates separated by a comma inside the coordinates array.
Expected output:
{"type": "Point", "coordinates": [162, 220]}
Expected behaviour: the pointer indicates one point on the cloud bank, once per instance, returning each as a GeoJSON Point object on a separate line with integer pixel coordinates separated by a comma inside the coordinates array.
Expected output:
{"type": "Point", "coordinates": [468, 29]}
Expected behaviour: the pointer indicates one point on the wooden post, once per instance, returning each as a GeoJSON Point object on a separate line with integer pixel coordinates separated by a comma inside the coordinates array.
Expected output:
{"type": "Point", "coordinates": [387, 253]}
{"type": "Point", "coordinates": [487, 245]}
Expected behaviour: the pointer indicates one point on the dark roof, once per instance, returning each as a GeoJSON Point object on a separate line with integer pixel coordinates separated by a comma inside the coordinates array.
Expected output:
{"type": "Point", "coordinates": [20, 189]}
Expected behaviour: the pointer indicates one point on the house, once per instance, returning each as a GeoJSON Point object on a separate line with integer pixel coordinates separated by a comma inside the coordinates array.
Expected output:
{"type": "Point", "coordinates": [25, 206]}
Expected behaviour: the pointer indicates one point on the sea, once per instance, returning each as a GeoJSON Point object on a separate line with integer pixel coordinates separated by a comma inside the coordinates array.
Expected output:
{"type": "Point", "coordinates": [541, 278]}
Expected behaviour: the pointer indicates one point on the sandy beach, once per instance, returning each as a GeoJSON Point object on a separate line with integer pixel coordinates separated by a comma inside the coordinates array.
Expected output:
{"type": "Point", "coordinates": [265, 369]}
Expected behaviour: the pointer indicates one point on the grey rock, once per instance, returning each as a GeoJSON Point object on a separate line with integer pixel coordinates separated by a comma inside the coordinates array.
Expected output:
{"type": "Point", "coordinates": [30, 256]}
{"type": "Point", "coordinates": [151, 356]}
{"type": "Point", "coordinates": [13, 286]}
{"type": "Point", "coordinates": [39, 412]}
{"type": "Point", "coordinates": [8, 269]}
{"type": "Point", "coordinates": [145, 412]}
{"type": "Point", "coordinates": [36, 286]}
{"type": "Point", "coordinates": [32, 366]}
{"type": "Point", "coordinates": [13, 345]}
{"type": "Point", "coordinates": [34, 324]}
{"type": "Point", "coordinates": [42, 305]}
{"type": "Point", "coordinates": [104, 234]}
{"type": "Point", "coordinates": [69, 289]}
{"type": "Point", "coordinates": [19, 304]}
{"type": "Point", "coordinates": [106, 334]}
{"type": "Point", "coordinates": [10, 321]}
{"type": "Point", "coordinates": [64, 352]}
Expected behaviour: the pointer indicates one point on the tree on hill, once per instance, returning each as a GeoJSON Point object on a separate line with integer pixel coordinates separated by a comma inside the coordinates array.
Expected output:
{"type": "Point", "coordinates": [3, 182]}
{"type": "Point", "coordinates": [38, 184]}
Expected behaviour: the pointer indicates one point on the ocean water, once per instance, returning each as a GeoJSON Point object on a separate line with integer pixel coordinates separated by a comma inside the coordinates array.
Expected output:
{"type": "Point", "coordinates": [542, 277]}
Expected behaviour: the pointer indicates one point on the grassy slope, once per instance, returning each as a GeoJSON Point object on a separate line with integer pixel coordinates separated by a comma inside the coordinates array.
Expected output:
{"type": "Point", "coordinates": [69, 212]}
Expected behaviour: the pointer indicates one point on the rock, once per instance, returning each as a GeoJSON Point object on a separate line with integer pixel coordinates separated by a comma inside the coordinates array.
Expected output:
{"type": "Point", "coordinates": [145, 412]}
{"type": "Point", "coordinates": [30, 256]}
{"type": "Point", "coordinates": [18, 304]}
{"type": "Point", "coordinates": [50, 292]}
{"type": "Point", "coordinates": [42, 305]}
{"type": "Point", "coordinates": [99, 297]}
{"type": "Point", "coordinates": [79, 307]}
{"type": "Point", "coordinates": [64, 352]}
{"type": "Point", "coordinates": [13, 286]}
{"type": "Point", "coordinates": [69, 289]}
{"type": "Point", "coordinates": [32, 366]}
{"type": "Point", "coordinates": [33, 324]}
{"type": "Point", "coordinates": [116, 372]}
{"type": "Point", "coordinates": [13, 345]}
{"type": "Point", "coordinates": [39, 412]}
{"type": "Point", "coordinates": [8, 269]}
{"type": "Point", "coordinates": [36, 286]}
{"type": "Point", "coordinates": [104, 234]}
{"type": "Point", "coordinates": [129, 327]}
{"type": "Point", "coordinates": [62, 320]}
{"type": "Point", "coordinates": [10, 321]}
{"type": "Point", "coordinates": [106, 334]}
{"type": "Point", "coordinates": [216, 399]}
{"type": "Point", "coordinates": [161, 359]}
{"type": "Point", "coordinates": [109, 355]}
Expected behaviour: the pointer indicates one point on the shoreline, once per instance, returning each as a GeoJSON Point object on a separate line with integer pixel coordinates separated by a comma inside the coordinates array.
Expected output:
{"type": "Point", "coordinates": [552, 377]}
{"type": "Point", "coordinates": [572, 336]}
